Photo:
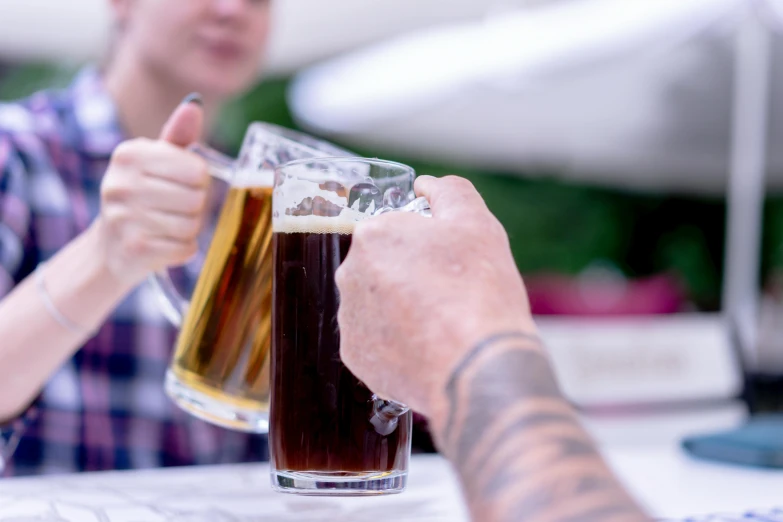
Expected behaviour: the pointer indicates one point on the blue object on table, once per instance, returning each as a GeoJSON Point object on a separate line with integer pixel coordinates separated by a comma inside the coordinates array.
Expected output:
{"type": "Point", "coordinates": [758, 443]}
{"type": "Point", "coordinates": [773, 515]}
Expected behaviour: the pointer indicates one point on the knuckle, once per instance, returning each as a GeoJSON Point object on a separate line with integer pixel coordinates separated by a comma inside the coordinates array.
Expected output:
{"type": "Point", "coordinates": [341, 314]}
{"type": "Point", "coordinates": [128, 152]}
{"type": "Point", "coordinates": [458, 183]}
{"type": "Point", "coordinates": [359, 236]}
{"type": "Point", "coordinates": [160, 147]}
{"type": "Point", "coordinates": [124, 154]}
{"type": "Point", "coordinates": [187, 251]}
{"type": "Point", "coordinates": [199, 166]}
{"type": "Point", "coordinates": [194, 170]}
{"type": "Point", "coordinates": [191, 228]}
{"type": "Point", "coordinates": [340, 278]}
{"type": "Point", "coordinates": [197, 202]}
{"type": "Point", "coordinates": [114, 215]}
{"type": "Point", "coordinates": [367, 232]}
{"type": "Point", "coordinates": [496, 229]}
{"type": "Point", "coordinates": [137, 246]}
{"type": "Point", "coordinates": [345, 277]}
{"type": "Point", "coordinates": [347, 354]}
{"type": "Point", "coordinates": [114, 190]}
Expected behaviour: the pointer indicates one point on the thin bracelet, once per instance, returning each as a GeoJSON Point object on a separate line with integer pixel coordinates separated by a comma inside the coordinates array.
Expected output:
{"type": "Point", "coordinates": [49, 304]}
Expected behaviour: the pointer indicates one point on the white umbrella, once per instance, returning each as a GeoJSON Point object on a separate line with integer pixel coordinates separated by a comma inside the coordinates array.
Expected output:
{"type": "Point", "coordinates": [636, 94]}
{"type": "Point", "coordinates": [585, 86]}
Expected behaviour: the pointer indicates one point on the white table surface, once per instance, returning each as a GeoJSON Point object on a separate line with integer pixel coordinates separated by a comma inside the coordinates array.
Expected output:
{"type": "Point", "coordinates": [237, 493]}
{"type": "Point", "coordinates": [667, 482]}
{"type": "Point", "coordinates": [644, 450]}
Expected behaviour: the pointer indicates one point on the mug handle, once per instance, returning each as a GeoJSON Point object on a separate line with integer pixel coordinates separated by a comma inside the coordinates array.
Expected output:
{"type": "Point", "coordinates": [173, 305]}
{"type": "Point", "coordinates": [385, 413]}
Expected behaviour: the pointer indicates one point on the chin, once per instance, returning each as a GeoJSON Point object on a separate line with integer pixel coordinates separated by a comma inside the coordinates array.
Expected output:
{"type": "Point", "coordinates": [226, 82]}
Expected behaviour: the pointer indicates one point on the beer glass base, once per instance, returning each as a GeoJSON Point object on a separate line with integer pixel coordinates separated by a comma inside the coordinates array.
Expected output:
{"type": "Point", "coordinates": [342, 484]}
{"type": "Point", "coordinates": [214, 411]}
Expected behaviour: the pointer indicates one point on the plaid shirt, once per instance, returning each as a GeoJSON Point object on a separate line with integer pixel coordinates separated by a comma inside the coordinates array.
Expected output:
{"type": "Point", "coordinates": [105, 408]}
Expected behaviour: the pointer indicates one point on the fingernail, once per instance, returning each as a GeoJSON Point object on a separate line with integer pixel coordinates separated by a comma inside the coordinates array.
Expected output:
{"type": "Point", "coordinates": [193, 97]}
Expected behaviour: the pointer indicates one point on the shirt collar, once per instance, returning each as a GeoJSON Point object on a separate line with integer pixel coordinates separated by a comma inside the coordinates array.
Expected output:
{"type": "Point", "coordinates": [95, 114]}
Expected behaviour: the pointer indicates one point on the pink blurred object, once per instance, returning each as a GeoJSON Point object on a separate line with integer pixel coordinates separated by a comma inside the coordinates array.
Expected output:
{"type": "Point", "coordinates": [604, 293]}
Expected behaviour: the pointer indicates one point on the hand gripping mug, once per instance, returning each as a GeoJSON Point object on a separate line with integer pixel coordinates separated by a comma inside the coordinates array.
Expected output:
{"type": "Point", "coordinates": [220, 368]}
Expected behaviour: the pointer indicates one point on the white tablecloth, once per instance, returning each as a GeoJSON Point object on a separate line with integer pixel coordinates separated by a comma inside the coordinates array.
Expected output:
{"type": "Point", "coordinates": [239, 493]}
{"type": "Point", "coordinates": [671, 485]}
{"type": "Point", "coordinates": [668, 483]}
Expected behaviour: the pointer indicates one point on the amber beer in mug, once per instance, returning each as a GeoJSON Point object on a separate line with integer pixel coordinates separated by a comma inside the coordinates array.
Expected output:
{"type": "Point", "coordinates": [329, 433]}
{"type": "Point", "coordinates": [220, 368]}
{"type": "Point", "coordinates": [222, 351]}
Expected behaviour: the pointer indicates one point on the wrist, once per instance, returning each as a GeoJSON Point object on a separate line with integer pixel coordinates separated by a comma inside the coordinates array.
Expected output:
{"type": "Point", "coordinates": [456, 381]}
{"type": "Point", "coordinates": [99, 275]}
{"type": "Point", "coordinates": [77, 285]}
{"type": "Point", "coordinates": [100, 265]}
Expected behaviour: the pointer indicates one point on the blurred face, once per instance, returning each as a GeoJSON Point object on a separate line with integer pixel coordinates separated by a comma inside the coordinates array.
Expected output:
{"type": "Point", "coordinates": [211, 46]}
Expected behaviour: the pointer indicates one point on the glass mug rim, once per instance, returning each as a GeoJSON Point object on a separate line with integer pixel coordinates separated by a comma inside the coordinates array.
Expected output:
{"type": "Point", "coordinates": [292, 136]}
{"type": "Point", "coordinates": [347, 159]}
{"type": "Point", "coordinates": [227, 168]}
{"type": "Point", "coordinates": [393, 172]}
{"type": "Point", "coordinates": [296, 138]}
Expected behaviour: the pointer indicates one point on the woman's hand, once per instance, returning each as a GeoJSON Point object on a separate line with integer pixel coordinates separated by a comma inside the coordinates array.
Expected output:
{"type": "Point", "coordinates": [152, 200]}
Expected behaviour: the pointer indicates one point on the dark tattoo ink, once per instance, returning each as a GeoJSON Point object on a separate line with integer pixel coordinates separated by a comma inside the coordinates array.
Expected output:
{"type": "Point", "coordinates": [451, 387]}
{"type": "Point", "coordinates": [518, 446]}
{"type": "Point", "coordinates": [497, 386]}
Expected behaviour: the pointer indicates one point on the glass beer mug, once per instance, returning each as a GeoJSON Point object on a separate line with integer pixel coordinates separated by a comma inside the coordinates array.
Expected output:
{"type": "Point", "coordinates": [329, 433]}
{"type": "Point", "coordinates": [220, 368]}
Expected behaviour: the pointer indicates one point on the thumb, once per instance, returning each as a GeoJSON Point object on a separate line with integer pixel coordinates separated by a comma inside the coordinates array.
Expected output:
{"type": "Point", "coordinates": [186, 123]}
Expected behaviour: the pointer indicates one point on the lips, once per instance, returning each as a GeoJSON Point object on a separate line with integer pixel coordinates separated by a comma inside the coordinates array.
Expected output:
{"type": "Point", "coordinates": [225, 49]}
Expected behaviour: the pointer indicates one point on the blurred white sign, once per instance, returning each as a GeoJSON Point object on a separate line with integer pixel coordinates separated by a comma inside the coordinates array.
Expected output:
{"type": "Point", "coordinates": [643, 361]}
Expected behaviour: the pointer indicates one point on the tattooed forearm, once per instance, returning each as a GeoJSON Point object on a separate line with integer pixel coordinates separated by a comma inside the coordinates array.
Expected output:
{"type": "Point", "coordinates": [519, 449]}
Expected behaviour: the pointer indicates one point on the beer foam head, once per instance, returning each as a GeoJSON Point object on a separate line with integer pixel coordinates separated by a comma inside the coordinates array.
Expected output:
{"type": "Point", "coordinates": [293, 191]}
{"type": "Point", "coordinates": [246, 178]}
{"type": "Point", "coordinates": [297, 189]}
{"type": "Point", "coordinates": [314, 225]}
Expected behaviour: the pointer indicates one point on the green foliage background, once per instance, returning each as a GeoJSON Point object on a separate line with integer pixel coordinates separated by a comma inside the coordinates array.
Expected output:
{"type": "Point", "coordinates": [554, 226]}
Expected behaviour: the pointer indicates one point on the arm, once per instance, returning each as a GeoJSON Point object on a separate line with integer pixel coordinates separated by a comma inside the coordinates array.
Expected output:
{"type": "Point", "coordinates": [520, 451]}
{"type": "Point", "coordinates": [34, 343]}
{"type": "Point", "coordinates": [152, 198]}
{"type": "Point", "coordinates": [458, 343]}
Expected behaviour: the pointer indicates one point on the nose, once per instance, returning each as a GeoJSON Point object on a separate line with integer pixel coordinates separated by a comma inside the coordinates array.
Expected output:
{"type": "Point", "coordinates": [229, 8]}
